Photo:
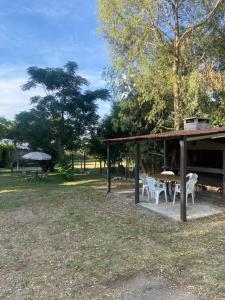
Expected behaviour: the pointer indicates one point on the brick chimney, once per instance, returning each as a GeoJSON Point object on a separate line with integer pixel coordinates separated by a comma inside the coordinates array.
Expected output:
{"type": "Point", "coordinates": [196, 123]}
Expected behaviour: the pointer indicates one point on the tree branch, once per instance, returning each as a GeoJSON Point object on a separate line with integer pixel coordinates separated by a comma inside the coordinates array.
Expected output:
{"type": "Point", "coordinates": [157, 31]}
{"type": "Point", "coordinates": [192, 28]}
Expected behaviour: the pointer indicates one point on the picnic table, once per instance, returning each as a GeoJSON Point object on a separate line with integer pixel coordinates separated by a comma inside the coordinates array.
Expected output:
{"type": "Point", "coordinates": [167, 178]}
{"type": "Point", "coordinates": [35, 175]}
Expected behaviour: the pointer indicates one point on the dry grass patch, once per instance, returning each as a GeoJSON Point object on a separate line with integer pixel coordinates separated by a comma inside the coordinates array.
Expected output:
{"type": "Point", "coordinates": [66, 241]}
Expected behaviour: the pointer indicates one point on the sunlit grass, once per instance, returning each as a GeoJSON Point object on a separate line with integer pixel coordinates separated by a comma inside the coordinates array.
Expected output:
{"type": "Point", "coordinates": [81, 182]}
{"type": "Point", "coordinates": [12, 190]}
{"type": "Point", "coordinates": [90, 164]}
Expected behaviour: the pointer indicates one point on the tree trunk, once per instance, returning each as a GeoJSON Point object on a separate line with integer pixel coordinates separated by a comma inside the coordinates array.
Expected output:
{"type": "Point", "coordinates": [84, 158]}
{"type": "Point", "coordinates": [127, 169]}
{"type": "Point", "coordinates": [100, 162]}
{"type": "Point", "coordinates": [72, 161]}
{"type": "Point", "coordinates": [176, 68]}
{"type": "Point", "coordinates": [60, 147]}
{"type": "Point", "coordinates": [60, 135]}
{"type": "Point", "coordinates": [176, 94]}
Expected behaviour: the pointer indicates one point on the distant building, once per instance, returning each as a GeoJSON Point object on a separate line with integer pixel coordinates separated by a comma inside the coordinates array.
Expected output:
{"type": "Point", "coordinates": [21, 149]}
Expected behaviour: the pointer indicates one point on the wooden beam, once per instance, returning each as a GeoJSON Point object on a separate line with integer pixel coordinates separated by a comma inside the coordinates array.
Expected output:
{"type": "Point", "coordinates": [207, 136]}
{"type": "Point", "coordinates": [206, 170]}
{"type": "Point", "coordinates": [108, 168]}
{"type": "Point", "coordinates": [206, 145]}
{"type": "Point", "coordinates": [137, 169]}
{"type": "Point", "coordinates": [183, 171]}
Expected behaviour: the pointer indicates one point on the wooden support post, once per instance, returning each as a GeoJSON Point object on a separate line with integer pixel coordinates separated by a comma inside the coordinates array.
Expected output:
{"type": "Point", "coordinates": [108, 168]}
{"type": "Point", "coordinates": [137, 169]}
{"type": "Point", "coordinates": [183, 171]}
{"type": "Point", "coordinates": [164, 155]}
{"type": "Point", "coordinates": [224, 172]}
{"type": "Point", "coordinates": [100, 166]}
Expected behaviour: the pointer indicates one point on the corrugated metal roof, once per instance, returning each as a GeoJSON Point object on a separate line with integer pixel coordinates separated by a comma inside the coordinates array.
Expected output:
{"type": "Point", "coordinates": [178, 134]}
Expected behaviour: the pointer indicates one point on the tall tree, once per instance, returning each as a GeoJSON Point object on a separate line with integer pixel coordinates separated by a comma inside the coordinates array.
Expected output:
{"type": "Point", "coordinates": [162, 47]}
{"type": "Point", "coordinates": [109, 127]}
{"type": "Point", "coordinates": [70, 111]}
{"type": "Point", "coordinates": [36, 129]}
{"type": "Point", "coordinates": [132, 116]}
{"type": "Point", "coordinates": [5, 126]}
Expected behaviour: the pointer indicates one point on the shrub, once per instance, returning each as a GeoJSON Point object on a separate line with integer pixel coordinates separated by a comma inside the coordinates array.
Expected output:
{"type": "Point", "coordinates": [65, 170]}
{"type": "Point", "coordinates": [7, 153]}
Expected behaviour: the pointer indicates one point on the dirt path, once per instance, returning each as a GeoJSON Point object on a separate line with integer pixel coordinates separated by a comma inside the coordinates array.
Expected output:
{"type": "Point", "coordinates": [140, 286]}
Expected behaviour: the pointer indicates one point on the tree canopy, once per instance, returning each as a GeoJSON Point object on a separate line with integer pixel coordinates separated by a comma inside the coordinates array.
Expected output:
{"type": "Point", "coordinates": [5, 126]}
{"type": "Point", "coordinates": [65, 112]}
{"type": "Point", "coordinates": [170, 53]}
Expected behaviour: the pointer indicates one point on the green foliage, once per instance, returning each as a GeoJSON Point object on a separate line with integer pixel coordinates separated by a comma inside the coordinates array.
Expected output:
{"type": "Point", "coordinates": [36, 129]}
{"type": "Point", "coordinates": [164, 53]}
{"type": "Point", "coordinates": [110, 127]}
{"type": "Point", "coordinates": [7, 153]}
{"type": "Point", "coordinates": [96, 148]}
{"type": "Point", "coordinates": [65, 170]}
{"type": "Point", "coordinates": [5, 126]}
{"type": "Point", "coordinates": [60, 118]}
{"type": "Point", "coordinates": [124, 119]}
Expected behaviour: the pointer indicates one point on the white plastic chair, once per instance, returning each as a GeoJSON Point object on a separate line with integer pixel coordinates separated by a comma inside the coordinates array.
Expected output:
{"type": "Point", "coordinates": [190, 189]}
{"type": "Point", "coordinates": [144, 185]}
{"type": "Point", "coordinates": [155, 189]}
{"type": "Point", "coordinates": [151, 182]}
{"type": "Point", "coordinates": [192, 176]}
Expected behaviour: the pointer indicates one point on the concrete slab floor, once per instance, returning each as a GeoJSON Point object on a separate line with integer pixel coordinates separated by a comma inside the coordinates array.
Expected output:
{"type": "Point", "coordinates": [206, 204]}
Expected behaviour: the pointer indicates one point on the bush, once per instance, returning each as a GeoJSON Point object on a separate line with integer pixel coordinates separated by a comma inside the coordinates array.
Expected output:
{"type": "Point", "coordinates": [7, 153]}
{"type": "Point", "coordinates": [65, 170]}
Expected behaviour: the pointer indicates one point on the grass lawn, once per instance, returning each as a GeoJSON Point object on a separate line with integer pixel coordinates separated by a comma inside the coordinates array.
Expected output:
{"type": "Point", "coordinates": [65, 240]}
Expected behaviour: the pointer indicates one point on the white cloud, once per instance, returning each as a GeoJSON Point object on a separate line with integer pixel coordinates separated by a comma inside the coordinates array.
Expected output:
{"type": "Point", "coordinates": [12, 72]}
{"type": "Point", "coordinates": [13, 100]}
{"type": "Point", "coordinates": [95, 79]}
{"type": "Point", "coordinates": [49, 8]}
{"type": "Point", "coordinates": [104, 108]}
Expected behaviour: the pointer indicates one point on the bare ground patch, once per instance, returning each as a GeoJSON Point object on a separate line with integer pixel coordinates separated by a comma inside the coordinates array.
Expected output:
{"type": "Point", "coordinates": [24, 215]}
{"type": "Point", "coordinates": [140, 286]}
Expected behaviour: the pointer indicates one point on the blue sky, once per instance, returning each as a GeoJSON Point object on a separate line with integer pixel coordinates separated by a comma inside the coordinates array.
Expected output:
{"type": "Point", "coordinates": [47, 33]}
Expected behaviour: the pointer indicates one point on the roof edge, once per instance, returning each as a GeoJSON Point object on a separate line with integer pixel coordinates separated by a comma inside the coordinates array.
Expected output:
{"type": "Point", "coordinates": [168, 135]}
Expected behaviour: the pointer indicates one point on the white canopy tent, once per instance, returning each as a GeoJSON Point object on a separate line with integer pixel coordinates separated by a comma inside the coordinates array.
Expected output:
{"type": "Point", "coordinates": [37, 156]}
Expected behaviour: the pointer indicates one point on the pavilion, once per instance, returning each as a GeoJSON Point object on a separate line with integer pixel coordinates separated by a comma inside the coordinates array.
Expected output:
{"type": "Point", "coordinates": [211, 140]}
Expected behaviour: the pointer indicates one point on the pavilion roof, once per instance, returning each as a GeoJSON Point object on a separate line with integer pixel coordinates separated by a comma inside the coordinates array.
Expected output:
{"type": "Point", "coordinates": [172, 135]}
